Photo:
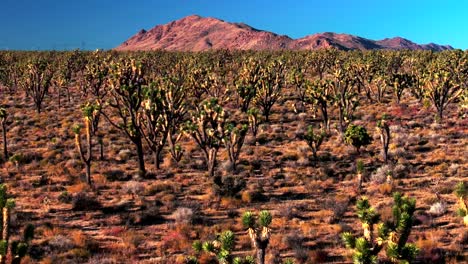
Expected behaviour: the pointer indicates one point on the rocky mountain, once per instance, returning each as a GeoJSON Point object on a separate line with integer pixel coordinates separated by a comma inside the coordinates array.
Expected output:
{"type": "Point", "coordinates": [195, 33]}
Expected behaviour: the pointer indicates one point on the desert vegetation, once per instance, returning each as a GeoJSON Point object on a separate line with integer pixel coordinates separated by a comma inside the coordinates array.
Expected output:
{"type": "Point", "coordinates": [234, 157]}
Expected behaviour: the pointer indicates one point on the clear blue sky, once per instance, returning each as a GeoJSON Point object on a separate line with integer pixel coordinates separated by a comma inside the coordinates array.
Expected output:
{"type": "Point", "coordinates": [91, 24]}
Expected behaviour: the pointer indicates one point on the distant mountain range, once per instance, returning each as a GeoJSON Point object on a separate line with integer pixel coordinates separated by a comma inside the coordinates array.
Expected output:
{"type": "Point", "coordinates": [195, 33]}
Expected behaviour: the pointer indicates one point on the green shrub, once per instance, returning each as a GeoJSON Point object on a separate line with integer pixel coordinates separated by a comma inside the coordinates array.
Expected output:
{"type": "Point", "coordinates": [357, 136]}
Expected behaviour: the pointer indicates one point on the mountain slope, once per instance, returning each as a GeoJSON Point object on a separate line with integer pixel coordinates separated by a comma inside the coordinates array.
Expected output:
{"type": "Point", "coordinates": [194, 33]}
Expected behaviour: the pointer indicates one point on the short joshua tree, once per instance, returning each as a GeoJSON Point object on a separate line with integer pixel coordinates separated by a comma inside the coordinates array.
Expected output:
{"type": "Point", "coordinates": [259, 232]}
{"type": "Point", "coordinates": [314, 140]}
{"type": "Point", "coordinates": [462, 194]}
{"type": "Point", "coordinates": [391, 235]}
{"type": "Point", "coordinates": [220, 248]}
{"type": "Point", "coordinates": [18, 248]}
{"type": "Point", "coordinates": [384, 129]}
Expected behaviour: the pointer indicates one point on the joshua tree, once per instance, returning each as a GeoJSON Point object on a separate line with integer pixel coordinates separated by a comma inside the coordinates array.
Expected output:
{"type": "Point", "coordinates": [357, 136]}
{"type": "Point", "coordinates": [154, 130]}
{"type": "Point", "coordinates": [346, 98]}
{"type": "Point", "coordinates": [95, 75]}
{"type": "Point", "coordinates": [254, 121]}
{"type": "Point", "coordinates": [206, 128]}
{"type": "Point", "coordinates": [63, 76]}
{"type": "Point", "coordinates": [298, 80]}
{"type": "Point", "coordinates": [233, 139]}
{"type": "Point", "coordinates": [396, 232]}
{"type": "Point", "coordinates": [462, 193]}
{"type": "Point", "coordinates": [320, 93]}
{"type": "Point", "coordinates": [271, 84]}
{"type": "Point", "coordinates": [442, 87]}
{"type": "Point", "coordinates": [400, 82]}
{"type": "Point", "coordinates": [384, 129]}
{"type": "Point", "coordinates": [89, 113]}
{"type": "Point", "coordinates": [259, 232]}
{"type": "Point", "coordinates": [314, 140]}
{"type": "Point", "coordinates": [369, 75]}
{"type": "Point", "coordinates": [18, 249]}
{"type": "Point", "coordinates": [365, 248]}
{"type": "Point", "coordinates": [10, 71]}
{"type": "Point", "coordinates": [174, 111]}
{"type": "Point", "coordinates": [359, 171]}
{"type": "Point", "coordinates": [37, 80]}
{"type": "Point", "coordinates": [248, 83]}
{"type": "Point", "coordinates": [392, 234]}
{"type": "Point", "coordinates": [3, 120]}
{"type": "Point", "coordinates": [220, 248]}
{"type": "Point", "coordinates": [320, 61]}
{"type": "Point", "coordinates": [126, 80]}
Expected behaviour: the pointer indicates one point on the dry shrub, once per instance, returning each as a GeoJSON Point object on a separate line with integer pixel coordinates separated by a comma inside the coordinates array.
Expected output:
{"type": "Point", "coordinates": [79, 238]}
{"type": "Point", "coordinates": [276, 242]}
{"type": "Point", "coordinates": [173, 241]}
{"type": "Point", "coordinates": [430, 250]}
{"type": "Point", "coordinates": [61, 243]}
{"type": "Point", "coordinates": [438, 208]}
{"type": "Point", "coordinates": [79, 187]}
{"type": "Point", "coordinates": [132, 239]}
{"type": "Point", "coordinates": [133, 187]}
{"type": "Point", "coordinates": [385, 188]}
{"type": "Point", "coordinates": [160, 187]}
{"type": "Point", "coordinates": [99, 180]}
{"type": "Point", "coordinates": [318, 256]}
{"type": "Point", "coordinates": [308, 229]}
{"type": "Point", "coordinates": [230, 202]}
{"type": "Point", "coordinates": [183, 215]}
{"type": "Point", "coordinates": [380, 175]}
{"type": "Point", "coordinates": [83, 201]}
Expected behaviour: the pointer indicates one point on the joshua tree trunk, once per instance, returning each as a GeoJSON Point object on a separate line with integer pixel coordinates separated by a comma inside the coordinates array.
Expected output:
{"type": "Point", "coordinates": [85, 158]}
{"type": "Point", "coordinates": [90, 147]}
{"type": "Point", "coordinates": [211, 158]}
{"type": "Point", "coordinates": [157, 157]}
{"type": "Point", "coordinates": [359, 177]}
{"type": "Point", "coordinates": [5, 232]}
{"type": "Point", "coordinates": [259, 243]}
{"type": "Point", "coordinates": [101, 148]}
{"type": "Point", "coordinates": [6, 223]}
{"type": "Point", "coordinates": [88, 172]}
{"type": "Point", "coordinates": [59, 95]}
{"type": "Point", "coordinates": [326, 122]}
{"type": "Point", "coordinates": [5, 147]}
{"type": "Point", "coordinates": [260, 254]}
{"type": "Point", "coordinates": [141, 157]}
{"type": "Point", "coordinates": [384, 138]}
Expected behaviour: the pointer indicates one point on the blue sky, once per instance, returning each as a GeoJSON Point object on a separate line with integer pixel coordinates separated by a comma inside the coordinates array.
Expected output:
{"type": "Point", "coordinates": [91, 24]}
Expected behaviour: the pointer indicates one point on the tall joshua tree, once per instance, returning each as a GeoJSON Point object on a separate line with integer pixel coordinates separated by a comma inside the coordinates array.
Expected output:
{"type": "Point", "coordinates": [3, 121]}
{"type": "Point", "coordinates": [346, 96]}
{"type": "Point", "coordinates": [126, 81]}
{"type": "Point", "coordinates": [233, 139]}
{"type": "Point", "coordinates": [442, 87]}
{"type": "Point", "coordinates": [89, 113]}
{"type": "Point", "coordinates": [206, 128]}
{"type": "Point", "coordinates": [37, 80]}
{"type": "Point", "coordinates": [271, 83]}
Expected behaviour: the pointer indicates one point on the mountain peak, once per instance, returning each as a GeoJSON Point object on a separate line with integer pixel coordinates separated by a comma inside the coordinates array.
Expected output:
{"type": "Point", "coordinates": [196, 33]}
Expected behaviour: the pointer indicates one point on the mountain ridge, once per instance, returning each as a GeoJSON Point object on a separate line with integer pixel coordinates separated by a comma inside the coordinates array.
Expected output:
{"type": "Point", "coordinates": [196, 33]}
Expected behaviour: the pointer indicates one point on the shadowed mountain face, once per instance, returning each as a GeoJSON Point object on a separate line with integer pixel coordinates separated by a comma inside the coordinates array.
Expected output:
{"type": "Point", "coordinates": [194, 33]}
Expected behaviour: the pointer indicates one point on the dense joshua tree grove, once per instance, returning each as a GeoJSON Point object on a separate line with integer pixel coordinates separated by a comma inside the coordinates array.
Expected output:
{"type": "Point", "coordinates": [244, 117]}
